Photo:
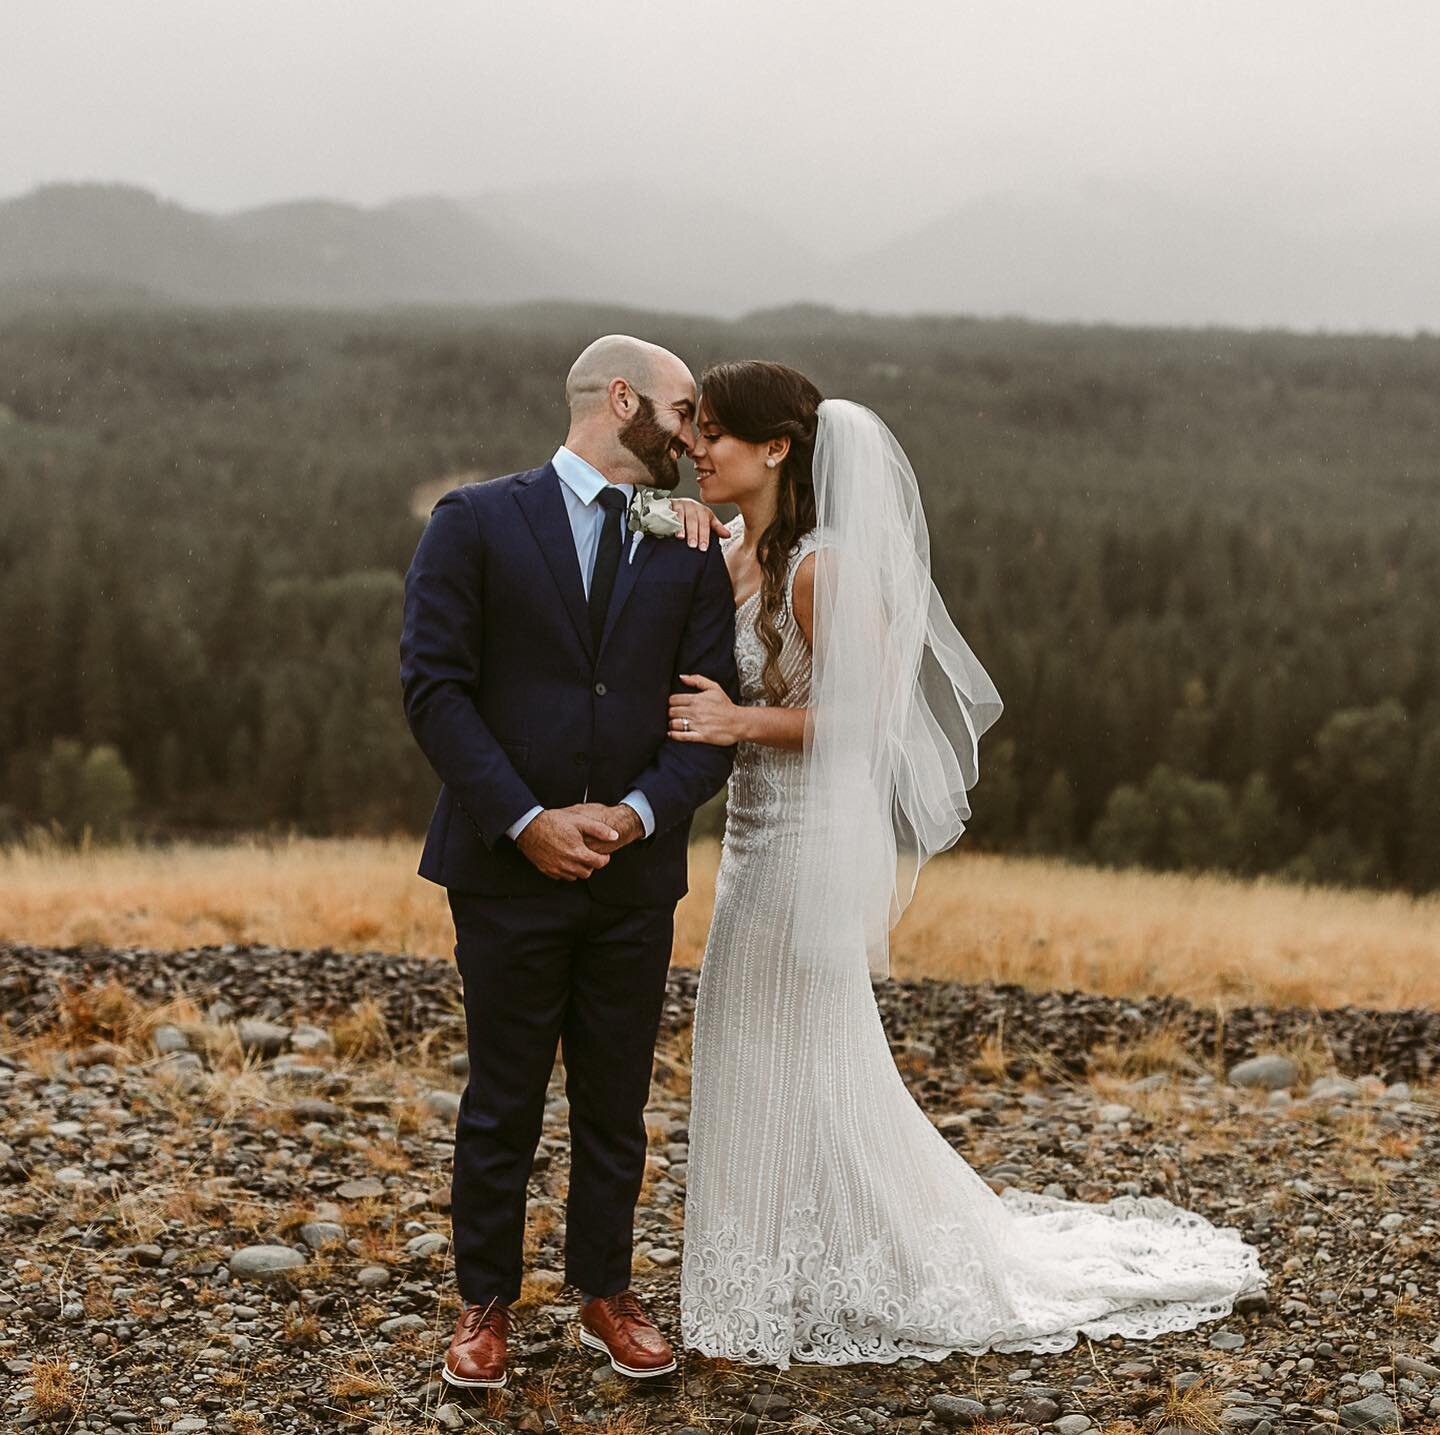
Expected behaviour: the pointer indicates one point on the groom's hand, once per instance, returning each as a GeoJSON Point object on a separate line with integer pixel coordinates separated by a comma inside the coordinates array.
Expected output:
{"type": "Point", "coordinates": [624, 820]}
{"type": "Point", "coordinates": [557, 841]}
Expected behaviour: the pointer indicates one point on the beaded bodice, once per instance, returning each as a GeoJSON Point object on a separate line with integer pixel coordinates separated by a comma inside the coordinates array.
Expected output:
{"type": "Point", "coordinates": [766, 783]}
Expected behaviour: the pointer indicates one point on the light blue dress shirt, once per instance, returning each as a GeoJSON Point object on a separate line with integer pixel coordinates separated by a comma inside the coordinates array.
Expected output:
{"type": "Point", "coordinates": [581, 485]}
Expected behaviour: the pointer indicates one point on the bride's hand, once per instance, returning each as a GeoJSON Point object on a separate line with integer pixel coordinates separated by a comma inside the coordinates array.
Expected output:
{"type": "Point", "coordinates": [705, 716]}
{"type": "Point", "coordinates": [699, 523]}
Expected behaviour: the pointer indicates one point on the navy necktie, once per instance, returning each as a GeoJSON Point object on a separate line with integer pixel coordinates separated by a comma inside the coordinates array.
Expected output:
{"type": "Point", "coordinates": [607, 561]}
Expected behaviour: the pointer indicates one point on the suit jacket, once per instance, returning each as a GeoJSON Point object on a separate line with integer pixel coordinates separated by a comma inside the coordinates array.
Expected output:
{"type": "Point", "coordinates": [513, 705]}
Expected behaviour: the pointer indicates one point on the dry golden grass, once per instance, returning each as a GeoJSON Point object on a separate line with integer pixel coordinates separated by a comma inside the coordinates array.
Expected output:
{"type": "Point", "coordinates": [57, 1389]}
{"type": "Point", "coordinates": [991, 1058]}
{"type": "Point", "coordinates": [1409, 1311]}
{"type": "Point", "coordinates": [362, 1031]}
{"type": "Point", "coordinates": [624, 1422]}
{"type": "Point", "coordinates": [536, 1290]}
{"type": "Point", "coordinates": [1195, 1408]}
{"type": "Point", "coordinates": [540, 1222]}
{"type": "Point", "coordinates": [104, 1012]}
{"type": "Point", "coordinates": [356, 1379]}
{"type": "Point", "coordinates": [1040, 923]}
{"type": "Point", "coordinates": [1164, 1049]}
{"type": "Point", "coordinates": [301, 1330]}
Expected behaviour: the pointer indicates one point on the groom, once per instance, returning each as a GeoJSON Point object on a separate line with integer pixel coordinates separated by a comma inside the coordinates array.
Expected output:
{"type": "Point", "coordinates": [541, 643]}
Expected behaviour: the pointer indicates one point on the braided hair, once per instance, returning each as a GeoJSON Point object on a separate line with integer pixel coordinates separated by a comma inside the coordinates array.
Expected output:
{"type": "Point", "coordinates": [758, 401]}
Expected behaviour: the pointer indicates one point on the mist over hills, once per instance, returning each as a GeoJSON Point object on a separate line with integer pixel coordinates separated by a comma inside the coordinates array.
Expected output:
{"type": "Point", "coordinates": [1143, 258]}
{"type": "Point", "coordinates": [304, 252]}
{"type": "Point", "coordinates": [1103, 254]}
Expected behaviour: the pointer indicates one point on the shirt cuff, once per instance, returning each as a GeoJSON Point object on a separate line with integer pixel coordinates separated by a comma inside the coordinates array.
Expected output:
{"type": "Point", "coordinates": [643, 810]}
{"type": "Point", "coordinates": [516, 828]}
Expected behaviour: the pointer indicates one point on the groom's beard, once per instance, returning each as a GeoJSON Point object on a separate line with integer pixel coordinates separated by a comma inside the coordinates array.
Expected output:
{"type": "Point", "coordinates": [650, 443]}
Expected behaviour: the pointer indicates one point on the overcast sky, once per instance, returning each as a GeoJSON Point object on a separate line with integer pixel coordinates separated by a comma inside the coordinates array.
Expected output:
{"type": "Point", "coordinates": [847, 119]}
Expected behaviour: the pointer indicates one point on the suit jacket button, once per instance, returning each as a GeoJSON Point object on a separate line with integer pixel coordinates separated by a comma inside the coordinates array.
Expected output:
{"type": "Point", "coordinates": [599, 690]}
{"type": "Point", "coordinates": [581, 758]}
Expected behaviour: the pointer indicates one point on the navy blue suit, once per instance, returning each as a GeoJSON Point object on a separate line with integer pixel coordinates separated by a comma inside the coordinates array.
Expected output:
{"type": "Point", "coordinates": [514, 706]}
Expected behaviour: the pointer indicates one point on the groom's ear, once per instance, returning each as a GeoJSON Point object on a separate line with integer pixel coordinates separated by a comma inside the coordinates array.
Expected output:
{"type": "Point", "coordinates": [622, 399]}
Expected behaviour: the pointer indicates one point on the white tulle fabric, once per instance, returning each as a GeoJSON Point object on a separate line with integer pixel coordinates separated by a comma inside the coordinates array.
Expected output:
{"type": "Point", "coordinates": [826, 1219]}
{"type": "Point", "coordinates": [898, 701]}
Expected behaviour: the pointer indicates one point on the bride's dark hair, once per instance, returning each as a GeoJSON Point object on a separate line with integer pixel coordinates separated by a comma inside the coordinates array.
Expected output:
{"type": "Point", "coordinates": [757, 401]}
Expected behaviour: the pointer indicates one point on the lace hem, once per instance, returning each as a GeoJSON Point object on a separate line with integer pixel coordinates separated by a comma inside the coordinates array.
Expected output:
{"type": "Point", "coordinates": [1133, 1267]}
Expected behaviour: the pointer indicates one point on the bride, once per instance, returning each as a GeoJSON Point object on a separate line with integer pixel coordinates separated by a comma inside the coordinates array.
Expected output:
{"type": "Point", "coordinates": [826, 1219]}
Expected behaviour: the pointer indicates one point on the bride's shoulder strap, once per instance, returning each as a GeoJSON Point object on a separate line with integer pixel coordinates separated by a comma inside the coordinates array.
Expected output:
{"type": "Point", "coordinates": [806, 544]}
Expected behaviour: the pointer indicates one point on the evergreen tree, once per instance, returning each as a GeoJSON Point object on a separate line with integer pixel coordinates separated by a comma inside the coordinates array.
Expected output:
{"type": "Point", "coordinates": [1197, 823]}
{"type": "Point", "coordinates": [1128, 832]}
{"type": "Point", "coordinates": [107, 792]}
{"type": "Point", "coordinates": [1259, 831]}
{"type": "Point", "coordinates": [170, 767]}
{"type": "Point", "coordinates": [60, 785]}
{"type": "Point", "coordinates": [1358, 773]}
{"type": "Point", "coordinates": [102, 702]}
{"type": "Point", "coordinates": [1188, 746]}
{"type": "Point", "coordinates": [240, 772]}
{"type": "Point", "coordinates": [284, 748]}
{"type": "Point", "coordinates": [1335, 858]}
{"type": "Point", "coordinates": [82, 791]}
{"type": "Point", "coordinates": [994, 819]}
{"type": "Point", "coordinates": [1052, 827]}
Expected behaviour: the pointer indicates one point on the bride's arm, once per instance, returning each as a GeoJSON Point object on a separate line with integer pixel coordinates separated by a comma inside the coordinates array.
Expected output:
{"type": "Point", "coordinates": [713, 718]}
{"type": "Point", "coordinates": [776, 727]}
{"type": "Point", "coordinates": [699, 523]}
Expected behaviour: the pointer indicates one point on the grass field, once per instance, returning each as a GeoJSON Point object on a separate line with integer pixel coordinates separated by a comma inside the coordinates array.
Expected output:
{"type": "Point", "coordinates": [1040, 923]}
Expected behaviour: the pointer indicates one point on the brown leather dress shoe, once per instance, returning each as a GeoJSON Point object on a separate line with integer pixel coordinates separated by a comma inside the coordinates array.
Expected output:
{"type": "Point", "coordinates": [618, 1325]}
{"type": "Point", "coordinates": [476, 1358]}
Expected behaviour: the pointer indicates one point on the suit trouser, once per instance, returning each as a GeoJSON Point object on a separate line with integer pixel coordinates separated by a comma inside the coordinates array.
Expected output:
{"type": "Point", "coordinates": [537, 970]}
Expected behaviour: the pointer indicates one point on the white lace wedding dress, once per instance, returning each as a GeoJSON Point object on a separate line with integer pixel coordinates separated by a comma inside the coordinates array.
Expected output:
{"type": "Point", "coordinates": [826, 1219]}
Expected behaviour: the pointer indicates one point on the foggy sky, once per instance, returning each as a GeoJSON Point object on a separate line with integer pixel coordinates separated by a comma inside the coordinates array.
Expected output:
{"type": "Point", "coordinates": [845, 123]}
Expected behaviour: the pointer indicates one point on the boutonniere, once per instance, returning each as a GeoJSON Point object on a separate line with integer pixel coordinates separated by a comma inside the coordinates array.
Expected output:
{"type": "Point", "coordinates": [651, 512]}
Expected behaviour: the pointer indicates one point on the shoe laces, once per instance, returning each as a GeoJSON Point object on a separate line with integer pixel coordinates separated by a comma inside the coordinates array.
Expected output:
{"type": "Point", "coordinates": [492, 1316]}
{"type": "Point", "coordinates": [626, 1303]}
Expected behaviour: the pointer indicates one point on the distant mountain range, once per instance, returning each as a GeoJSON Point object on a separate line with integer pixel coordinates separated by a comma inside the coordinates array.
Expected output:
{"type": "Point", "coordinates": [1121, 255]}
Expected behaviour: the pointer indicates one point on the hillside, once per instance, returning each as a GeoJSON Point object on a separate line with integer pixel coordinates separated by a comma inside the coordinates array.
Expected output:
{"type": "Point", "coordinates": [308, 252]}
{"type": "Point", "coordinates": [1127, 255]}
{"type": "Point", "coordinates": [1202, 566]}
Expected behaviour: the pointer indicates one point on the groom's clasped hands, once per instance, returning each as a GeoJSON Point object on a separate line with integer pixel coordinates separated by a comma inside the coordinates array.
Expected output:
{"type": "Point", "coordinates": [569, 843]}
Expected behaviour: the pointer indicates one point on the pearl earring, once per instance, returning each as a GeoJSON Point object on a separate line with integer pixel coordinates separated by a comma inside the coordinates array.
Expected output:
{"type": "Point", "coordinates": [769, 463]}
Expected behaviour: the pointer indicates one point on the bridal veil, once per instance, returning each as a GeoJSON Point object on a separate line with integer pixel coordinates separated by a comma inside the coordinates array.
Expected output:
{"type": "Point", "coordinates": [898, 700]}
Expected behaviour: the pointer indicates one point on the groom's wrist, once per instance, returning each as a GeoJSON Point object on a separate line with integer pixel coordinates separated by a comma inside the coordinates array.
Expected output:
{"type": "Point", "coordinates": [636, 802]}
{"type": "Point", "coordinates": [630, 823]}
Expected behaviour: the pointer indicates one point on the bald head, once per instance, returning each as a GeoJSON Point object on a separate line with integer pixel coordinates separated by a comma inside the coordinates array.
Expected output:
{"type": "Point", "coordinates": [644, 367]}
{"type": "Point", "coordinates": [632, 410]}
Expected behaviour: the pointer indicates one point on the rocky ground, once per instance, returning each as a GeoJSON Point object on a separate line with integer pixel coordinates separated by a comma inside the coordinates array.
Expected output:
{"type": "Point", "coordinates": [224, 1191]}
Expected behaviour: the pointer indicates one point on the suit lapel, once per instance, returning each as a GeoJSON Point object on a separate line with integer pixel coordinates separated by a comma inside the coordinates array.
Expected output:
{"type": "Point", "coordinates": [625, 578]}
{"type": "Point", "coordinates": [545, 512]}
